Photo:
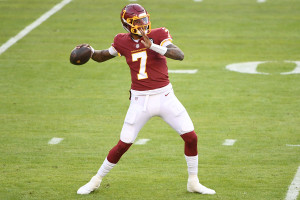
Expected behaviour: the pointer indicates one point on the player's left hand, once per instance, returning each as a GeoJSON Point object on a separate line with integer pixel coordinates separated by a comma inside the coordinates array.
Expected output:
{"type": "Point", "coordinates": [146, 41]}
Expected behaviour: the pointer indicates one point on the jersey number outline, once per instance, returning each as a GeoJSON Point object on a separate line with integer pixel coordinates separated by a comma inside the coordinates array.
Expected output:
{"type": "Point", "coordinates": [143, 60]}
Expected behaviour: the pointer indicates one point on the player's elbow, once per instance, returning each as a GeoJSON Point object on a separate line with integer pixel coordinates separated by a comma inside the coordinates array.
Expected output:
{"type": "Point", "coordinates": [181, 56]}
{"type": "Point", "coordinates": [175, 54]}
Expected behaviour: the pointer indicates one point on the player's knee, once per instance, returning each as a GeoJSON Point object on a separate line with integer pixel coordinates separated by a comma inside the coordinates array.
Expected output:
{"type": "Point", "coordinates": [190, 138]}
{"type": "Point", "coordinates": [122, 147]}
{"type": "Point", "coordinates": [116, 153]}
{"type": "Point", "coordinates": [128, 133]}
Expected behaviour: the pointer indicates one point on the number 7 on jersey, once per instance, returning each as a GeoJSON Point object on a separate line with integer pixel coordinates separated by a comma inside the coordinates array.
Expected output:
{"type": "Point", "coordinates": [143, 56]}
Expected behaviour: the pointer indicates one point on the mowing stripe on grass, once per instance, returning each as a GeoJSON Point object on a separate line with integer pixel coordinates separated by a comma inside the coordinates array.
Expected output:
{"type": "Point", "coordinates": [55, 140]}
{"type": "Point", "coordinates": [229, 142]}
{"type": "Point", "coordinates": [141, 141]}
{"type": "Point", "coordinates": [32, 26]}
{"type": "Point", "coordinates": [189, 71]}
{"type": "Point", "coordinates": [294, 187]}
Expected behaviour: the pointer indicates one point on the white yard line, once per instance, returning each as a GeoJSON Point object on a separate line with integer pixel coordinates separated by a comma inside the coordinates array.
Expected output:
{"type": "Point", "coordinates": [251, 67]}
{"type": "Point", "coordinates": [55, 140]}
{"type": "Point", "coordinates": [261, 1]}
{"type": "Point", "coordinates": [141, 141]}
{"type": "Point", "coordinates": [32, 26]}
{"type": "Point", "coordinates": [293, 145]}
{"type": "Point", "coordinates": [229, 142]}
{"type": "Point", "coordinates": [189, 71]}
{"type": "Point", "coordinates": [246, 67]}
{"type": "Point", "coordinates": [294, 187]}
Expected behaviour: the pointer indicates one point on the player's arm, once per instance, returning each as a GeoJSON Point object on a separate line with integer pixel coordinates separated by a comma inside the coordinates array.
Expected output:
{"type": "Point", "coordinates": [170, 51]}
{"type": "Point", "coordinates": [102, 55]}
{"type": "Point", "coordinates": [99, 55]}
{"type": "Point", "coordinates": [174, 52]}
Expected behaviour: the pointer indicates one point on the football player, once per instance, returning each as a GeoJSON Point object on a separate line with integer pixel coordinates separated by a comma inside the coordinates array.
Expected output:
{"type": "Point", "coordinates": [145, 50]}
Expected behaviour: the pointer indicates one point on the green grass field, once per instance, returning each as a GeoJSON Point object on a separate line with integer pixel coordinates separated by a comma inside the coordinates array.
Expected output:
{"type": "Point", "coordinates": [43, 96]}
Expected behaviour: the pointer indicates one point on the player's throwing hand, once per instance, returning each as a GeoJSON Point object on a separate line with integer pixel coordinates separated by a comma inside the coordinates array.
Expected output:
{"type": "Point", "coordinates": [146, 41]}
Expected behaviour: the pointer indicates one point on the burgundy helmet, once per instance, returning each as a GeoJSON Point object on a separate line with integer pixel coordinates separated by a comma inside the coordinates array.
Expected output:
{"type": "Point", "coordinates": [134, 17]}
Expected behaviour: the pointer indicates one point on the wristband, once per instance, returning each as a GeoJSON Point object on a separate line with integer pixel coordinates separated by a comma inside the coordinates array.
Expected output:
{"type": "Point", "coordinates": [93, 51]}
{"type": "Point", "coordinates": [159, 49]}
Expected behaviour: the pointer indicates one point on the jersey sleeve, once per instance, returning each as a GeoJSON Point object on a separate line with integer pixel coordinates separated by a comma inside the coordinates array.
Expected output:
{"type": "Point", "coordinates": [115, 48]}
{"type": "Point", "coordinates": [113, 51]}
{"type": "Point", "coordinates": [165, 37]}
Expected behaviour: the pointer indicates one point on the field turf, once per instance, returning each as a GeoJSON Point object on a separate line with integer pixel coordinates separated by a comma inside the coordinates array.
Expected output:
{"type": "Point", "coordinates": [43, 96]}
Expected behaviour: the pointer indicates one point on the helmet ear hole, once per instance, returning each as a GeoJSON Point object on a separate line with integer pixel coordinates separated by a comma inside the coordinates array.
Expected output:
{"type": "Point", "coordinates": [126, 28]}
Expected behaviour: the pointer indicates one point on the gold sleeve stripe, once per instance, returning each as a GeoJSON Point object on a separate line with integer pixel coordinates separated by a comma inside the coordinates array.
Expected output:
{"type": "Point", "coordinates": [165, 40]}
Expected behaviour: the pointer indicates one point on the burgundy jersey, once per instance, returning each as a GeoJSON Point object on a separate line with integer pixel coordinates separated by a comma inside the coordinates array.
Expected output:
{"type": "Point", "coordinates": [148, 68]}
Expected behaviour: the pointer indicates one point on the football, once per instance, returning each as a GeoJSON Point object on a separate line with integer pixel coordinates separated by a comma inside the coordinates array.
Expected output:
{"type": "Point", "coordinates": [81, 55]}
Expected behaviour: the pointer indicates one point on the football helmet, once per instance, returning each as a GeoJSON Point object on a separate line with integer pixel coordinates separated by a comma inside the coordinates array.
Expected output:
{"type": "Point", "coordinates": [134, 17]}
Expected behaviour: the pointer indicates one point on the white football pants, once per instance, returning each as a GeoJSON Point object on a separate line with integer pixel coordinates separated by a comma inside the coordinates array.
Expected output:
{"type": "Point", "coordinates": [144, 107]}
